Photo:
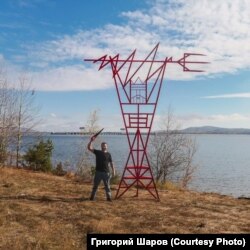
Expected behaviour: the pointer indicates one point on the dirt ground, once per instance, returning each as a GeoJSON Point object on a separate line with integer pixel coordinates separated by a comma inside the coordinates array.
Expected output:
{"type": "Point", "coordinates": [42, 211]}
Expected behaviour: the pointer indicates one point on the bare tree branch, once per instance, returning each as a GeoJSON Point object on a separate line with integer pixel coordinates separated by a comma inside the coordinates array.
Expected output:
{"type": "Point", "coordinates": [84, 169]}
{"type": "Point", "coordinates": [171, 155]}
{"type": "Point", "coordinates": [26, 112]}
{"type": "Point", "coordinates": [18, 115]}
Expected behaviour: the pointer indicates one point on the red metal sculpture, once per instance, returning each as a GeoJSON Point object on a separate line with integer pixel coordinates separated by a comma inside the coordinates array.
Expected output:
{"type": "Point", "coordinates": [138, 84]}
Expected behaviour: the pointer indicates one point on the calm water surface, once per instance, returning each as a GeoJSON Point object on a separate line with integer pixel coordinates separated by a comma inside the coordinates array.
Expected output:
{"type": "Point", "coordinates": [223, 160]}
{"type": "Point", "coordinates": [224, 164]}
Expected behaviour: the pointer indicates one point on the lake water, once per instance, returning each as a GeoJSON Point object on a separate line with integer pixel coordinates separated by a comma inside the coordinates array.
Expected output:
{"type": "Point", "coordinates": [223, 160]}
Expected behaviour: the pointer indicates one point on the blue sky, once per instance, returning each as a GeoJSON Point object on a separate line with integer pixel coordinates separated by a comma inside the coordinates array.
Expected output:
{"type": "Point", "coordinates": [48, 40]}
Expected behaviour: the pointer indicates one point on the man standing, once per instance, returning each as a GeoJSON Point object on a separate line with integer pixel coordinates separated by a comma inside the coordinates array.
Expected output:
{"type": "Point", "coordinates": [102, 171]}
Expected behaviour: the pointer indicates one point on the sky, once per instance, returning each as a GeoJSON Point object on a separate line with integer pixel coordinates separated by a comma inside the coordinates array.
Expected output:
{"type": "Point", "coordinates": [49, 39]}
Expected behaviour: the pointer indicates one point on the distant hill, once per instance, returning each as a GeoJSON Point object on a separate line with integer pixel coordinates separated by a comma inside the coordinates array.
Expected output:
{"type": "Point", "coordinates": [214, 130]}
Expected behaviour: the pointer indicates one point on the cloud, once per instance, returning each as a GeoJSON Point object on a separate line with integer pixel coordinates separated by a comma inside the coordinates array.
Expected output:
{"type": "Point", "coordinates": [29, 3]}
{"type": "Point", "coordinates": [235, 95]}
{"type": "Point", "coordinates": [59, 123]}
{"type": "Point", "coordinates": [54, 122]}
{"type": "Point", "coordinates": [66, 78]}
{"type": "Point", "coordinates": [234, 120]}
{"type": "Point", "coordinates": [219, 29]}
{"type": "Point", "coordinates": [53, 115]}
{"type": "Point", "coordinates": [1, 58]}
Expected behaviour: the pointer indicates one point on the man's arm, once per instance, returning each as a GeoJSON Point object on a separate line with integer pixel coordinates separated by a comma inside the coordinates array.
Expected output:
{"type": "Point", "coordinates": [90, 146]}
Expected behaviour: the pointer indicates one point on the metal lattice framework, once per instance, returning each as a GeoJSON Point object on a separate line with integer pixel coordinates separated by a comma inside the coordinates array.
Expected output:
{"type": "Point", "coordinates": [138, 84]}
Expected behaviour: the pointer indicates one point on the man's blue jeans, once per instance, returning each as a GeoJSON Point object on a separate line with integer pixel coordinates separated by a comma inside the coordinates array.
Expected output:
{"type": "Point", "coordinates": [101, 176]}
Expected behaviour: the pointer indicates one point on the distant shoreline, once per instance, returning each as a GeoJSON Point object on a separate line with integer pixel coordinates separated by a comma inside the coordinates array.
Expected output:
{"type": "Point", "coordinates": [191, 130]}
{"type": "Point", "coordinates": [152, 133]}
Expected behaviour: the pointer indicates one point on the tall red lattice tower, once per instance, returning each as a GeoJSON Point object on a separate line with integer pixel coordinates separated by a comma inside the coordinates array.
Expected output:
{"type": "Point", "coordinates": [138, 84]}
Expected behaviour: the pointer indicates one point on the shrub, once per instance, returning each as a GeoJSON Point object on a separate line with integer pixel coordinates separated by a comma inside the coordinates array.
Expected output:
{"type": "Point", "coordinates": [59, 170]}
{"type": "Point", "coordinates": [38, 157]}
{"type": "Point", "coordinates": [172, 153]}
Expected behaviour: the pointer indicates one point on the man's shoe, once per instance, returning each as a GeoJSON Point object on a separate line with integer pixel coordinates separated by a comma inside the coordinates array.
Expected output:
{"type": "Point", "coordinates": [109, 199]}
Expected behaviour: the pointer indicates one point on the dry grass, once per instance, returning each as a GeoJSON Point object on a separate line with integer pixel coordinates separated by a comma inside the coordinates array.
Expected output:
{"type": "Point", "coordinates": [41, 211]}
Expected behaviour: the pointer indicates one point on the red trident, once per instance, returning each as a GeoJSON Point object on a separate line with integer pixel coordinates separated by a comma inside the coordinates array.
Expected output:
{"type": "Point", "coordinates": [138, 84]}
